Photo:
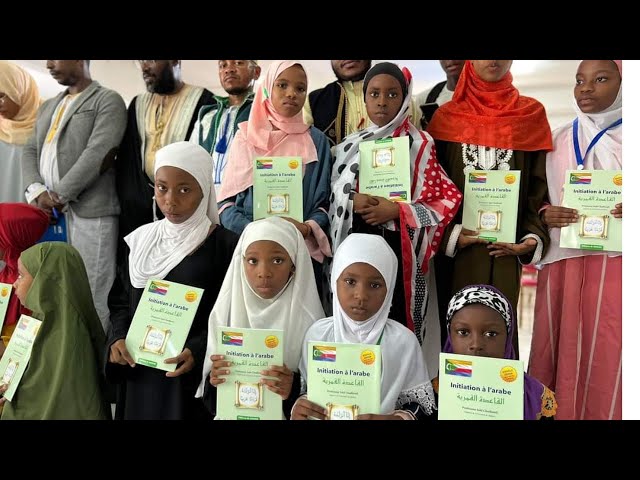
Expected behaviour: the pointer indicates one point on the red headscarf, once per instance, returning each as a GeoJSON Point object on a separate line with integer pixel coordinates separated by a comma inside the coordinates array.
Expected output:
{"type": "Point", "coordinates": [21, 226]}
{"type": "Point", "coordinates": [492, 114]}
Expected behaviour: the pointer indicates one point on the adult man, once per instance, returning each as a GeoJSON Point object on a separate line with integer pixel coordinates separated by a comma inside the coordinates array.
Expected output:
{"type": "Point", "coordinates": [165, 114]}
{"type": "Point", "coordinates": [430, 99]}
{"type": "Point", "coordinates": [67, 165]}
{"type": "Point", "coordinates": [338, 109]}
{"type": "Point", "coordinates": [217, 124]}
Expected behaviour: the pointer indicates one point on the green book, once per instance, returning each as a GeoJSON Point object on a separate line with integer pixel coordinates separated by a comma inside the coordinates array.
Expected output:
{"type": "Point", "coordinates": [385, 169]}
{"type": "Point", "coordinates": [594, 193]}
{"type": "Point", "coordinates": [242, 396]}
{"type": "Point", "coordinates": [162, 322]}
{"type": "Point", "coordinates": [16, 357]}
{"type": "Point", "coordinates": [480, 388]}
{"type": "Point", "coordinates": [344, 378]}
{"type": "Point", "coordinates": [277, 187]}
{"type": "Point", "coordinates": [5, 295]}
{"type": "Point", "coordinates": [491, 204]}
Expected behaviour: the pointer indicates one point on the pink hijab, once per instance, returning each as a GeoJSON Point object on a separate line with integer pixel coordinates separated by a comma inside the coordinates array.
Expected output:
{"type": "Point", "coordinates": [266, 134]}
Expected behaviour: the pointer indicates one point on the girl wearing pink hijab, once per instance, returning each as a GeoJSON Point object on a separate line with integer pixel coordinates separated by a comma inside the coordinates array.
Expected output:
{"type": "Point", "coordinates": [276, 128]}
{"type": "Point", "coordinates": [577, 336]}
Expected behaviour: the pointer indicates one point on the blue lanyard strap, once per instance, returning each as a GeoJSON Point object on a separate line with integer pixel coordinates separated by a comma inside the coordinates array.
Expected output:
{"type": "Point", "coordinates": [576, 144]}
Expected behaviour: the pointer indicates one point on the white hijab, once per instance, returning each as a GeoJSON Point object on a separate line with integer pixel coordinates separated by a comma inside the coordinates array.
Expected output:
{"type": "Point", "coordinates": [156, 248]}
{"type": "Point", "coordinates": [405, 378]}
{"type": "Point", "coordinates": [293, 310]}
{"type": "Point", "coordinates": [605, 155]}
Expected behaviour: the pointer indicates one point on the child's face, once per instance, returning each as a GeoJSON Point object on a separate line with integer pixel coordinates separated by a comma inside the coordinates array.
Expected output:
{"type": "Point", "coordinates": [491, 70]}
{"type": "Point", "coordinates": [383, 98]}
{"type": "Point", "coordinates": [597, 85]}
{"type": "Point", "coordinates": [478, 330]}
{"type": "Point", "coordinates": [361, 291]}
{"type": "Point", "coordinates": [289, 91]}
{"type": "Point", "coordinates": [22, 283]}
{"type": "Point", "coordinates": [178, 193]}
{"type": "Point", "coordinates": [268, 267]}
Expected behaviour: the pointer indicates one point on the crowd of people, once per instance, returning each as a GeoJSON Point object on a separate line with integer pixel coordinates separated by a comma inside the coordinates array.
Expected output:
{"type": "Point", "coordinates": [164, 189]}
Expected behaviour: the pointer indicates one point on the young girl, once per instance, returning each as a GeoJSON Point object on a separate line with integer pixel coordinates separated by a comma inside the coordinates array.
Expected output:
{"type": "Point", "coordinates": [488, 125]}
{"type": "Point", "coordinates": [269, 284]}
{"type": "Point", "coordinates": [189, 247]}
{"type": "Point", "coordinates": [577, 334]}
{"type": "Point", "coordinates": [412, 230]}
{"type": "Point", "coordinates": [62, 380]}
{"type": "Point", "coordinates": [276, 128]}
{"type": "Point", "coordinates": [363, 276]}
{"type": "Point", "coordinates": [480, 322]}
{"type": "Point", "coordinates": [21, 226]}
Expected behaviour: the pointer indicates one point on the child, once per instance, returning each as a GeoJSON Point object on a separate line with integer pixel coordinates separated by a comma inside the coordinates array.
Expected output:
{"type": "Point", "coordinates": [21, 226]}
{"type": "Point", "coordinates": [488, 125]}
{"type": "Point", "coordinates": [480, 322]}
{"type": "Point", "coordinates": [62, 380]}
{"type": "Point", "coordinates": [412, 230]}
{"type": "Point", "coordinates": [189, 247]}
{"type": "Point", "coordinates": [363, 276]}
{"type": "Point", "coordinates": [276, 128]}
{"type": "Point", "coordinates": [269, 284]}
{"type": "Point", "coordinates": [577, 334]}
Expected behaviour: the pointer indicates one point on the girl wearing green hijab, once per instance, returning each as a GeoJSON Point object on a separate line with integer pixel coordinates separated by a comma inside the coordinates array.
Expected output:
{"type": "Point", "coordinates": [62, 380]}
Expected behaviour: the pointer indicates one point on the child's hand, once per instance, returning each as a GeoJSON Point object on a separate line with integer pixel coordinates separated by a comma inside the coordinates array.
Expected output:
{"type": "Point", "coordinates": [187, 360]}
{"type": "Point", "coordinates": [283, 382]}
{"type": "Point", "coordinates": [220, 367]}
{"type": "Point", "coordinates": [119, 354]}
{"type": "Point", "coordinates": [617, 212]}
{"type": "Point", "coordinates": [468, 237]}
{"type": "Point", "coordinates": [382, 213]}
{"type": "Point", "coordinates": [3, 388]}
{"type": "Point", "coordinates": [372, 416]}
{"type": "Point", "coordinates": [303, 228]}
{"type": "Point", "coordinates": [361, 200]}
{"type": "Point", "coordinates": [305, 409]}
{"type": "Point", "coordinates": [558, 217]}
{"type": "Point", "coordinates": [502, 249]}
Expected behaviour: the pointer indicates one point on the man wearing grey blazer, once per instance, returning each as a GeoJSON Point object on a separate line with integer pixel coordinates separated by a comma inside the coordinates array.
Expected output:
{"type": "Point", "coordinates": [68, 169]}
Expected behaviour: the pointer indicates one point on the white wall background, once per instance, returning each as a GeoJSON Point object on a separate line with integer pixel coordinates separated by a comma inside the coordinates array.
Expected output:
{"type": "Point", "coordinates": [549, 81]}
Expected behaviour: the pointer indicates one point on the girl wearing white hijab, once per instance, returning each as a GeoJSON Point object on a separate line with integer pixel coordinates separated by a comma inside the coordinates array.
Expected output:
{"type": "Point", "coordinates": [188, 246]}
{"type": "Point", "coordinates": [363, 277]}
{"type": "Point", "coordinates": [576, 348]}
{"type": "Point", "coordinates": [269, 284]}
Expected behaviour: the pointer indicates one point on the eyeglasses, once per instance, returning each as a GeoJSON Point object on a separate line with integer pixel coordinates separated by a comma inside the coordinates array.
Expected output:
{"type": "Point", "coordinates": [222, 64]}
{"type": "Point", "coordinates": [142, 63]}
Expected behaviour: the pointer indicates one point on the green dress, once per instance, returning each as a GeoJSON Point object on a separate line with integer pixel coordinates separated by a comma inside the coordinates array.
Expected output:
{"type": "Point", "coordinates": [62, 380]}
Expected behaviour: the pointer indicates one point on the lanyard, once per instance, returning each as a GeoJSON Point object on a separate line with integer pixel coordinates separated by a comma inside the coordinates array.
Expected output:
{"type": "Point", "coordinates": [576, 144]}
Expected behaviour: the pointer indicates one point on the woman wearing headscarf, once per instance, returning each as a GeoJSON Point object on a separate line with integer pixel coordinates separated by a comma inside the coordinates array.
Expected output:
{"type": "Point", "coordinates": [415, 228]}
{"type": "Point", "coordinates": [189, 247]}
{"type": "Point", "coordinates": [62, 380]}
{"type": "Point", "coordinates": [292, 307]}
{"type": "Point", "coordinates": [406, 392]}
{"type": "Point", "coordinates": [21, 226]}
{"type": "Point", "coordinates": [19, 103]}
{"type": "Point", "coordinates": [276, 129]}
{"type": "Point", "coordinates": [488, 125]}
{"type": "Point", "coordinates": [473, 313]}
{"type": "Point", "coordinates": [576, 346]}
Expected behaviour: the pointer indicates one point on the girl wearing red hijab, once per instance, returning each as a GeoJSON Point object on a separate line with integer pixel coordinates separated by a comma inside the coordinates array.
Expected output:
{"type": "Point", "coordinates": [488, 125]}
{"type": "Point", "coordinates": [21, 226]}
